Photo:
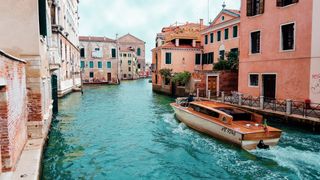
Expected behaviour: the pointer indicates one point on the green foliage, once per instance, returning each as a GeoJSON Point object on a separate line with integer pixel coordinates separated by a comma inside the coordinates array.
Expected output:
{"type": "Point", "coordinates": [231, 63]}
{"type": "Point", "coordinates": [182, 78]}
{"type": "Point", "coordinates": [166, 73]}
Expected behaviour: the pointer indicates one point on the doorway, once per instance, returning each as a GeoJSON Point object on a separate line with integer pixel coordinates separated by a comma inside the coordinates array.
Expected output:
{"type": "Point", "coordinates": [269, 86]}
{"type": "Point", "coordinates": [109, 77]}
{"type": "Point", "coordinates": [54, 86]}
{"type": "Point", "coordinates": [212, 85]}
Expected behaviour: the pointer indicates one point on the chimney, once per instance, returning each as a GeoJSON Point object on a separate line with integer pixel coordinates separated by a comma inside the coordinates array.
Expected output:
{"type": "Point", "coordinates": [201, 23]}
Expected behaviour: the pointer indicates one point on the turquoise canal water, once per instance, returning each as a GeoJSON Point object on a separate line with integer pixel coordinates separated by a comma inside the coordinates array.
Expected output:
{"type": "Point", "coordinates": [128, 132]}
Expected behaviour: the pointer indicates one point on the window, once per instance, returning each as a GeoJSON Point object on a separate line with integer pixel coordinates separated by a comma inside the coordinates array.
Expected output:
{"type": "Point", "coordinates": [255, 7]}
{"type": "Point", "coordinates": [91, 65]}
{"type": "Point", "coordinates": [82, 64]}
{"type": "Point", "coordinates": [198, 59]}
{"type": "Point", "coordinates": [124, 55]}
{"type": "Point", "coordinates": [222, 54]}
{"type": "Point", "coordinates": [168, 58]}
{"type": "Point", "coordinates": [129, 62]}
{"type": "Point", "coordinates": [82, 53]}
{"type": "Point", "coordinates": [219, 36]}
{"type": "Point", "coordinates": [206, 39]}
{"type": "Point", "coordinates": [109, 65]}
{"type": "Point", "coordinates": [254, 80]}
{"type": "Point", "coordinates": [235, 31]}
{"type": "Point", "coordinates": [139, 52]}
{"type": "Point", "coordinates": [91, 74]}
{"type": "Point", "coordinates": [282, 3]}
{"type": "Point", "coordinates": [287, 37]}
{"type": "Point", "coordinates": [113, 53]}
{"type": "Point", "coordinates": [210, 58]}
{"type": "Point", "coordinates": [129, 69]}
{"type": "Point", "coordinates": [222, 18]}
{"type": "Point", "coordinates": [97, 49]}
{"type": "Point", "coordinates": [235, 50]}
{"type": "Point", "coordinates": [204, 58]}
{"type": "Point", "coordinates": [129, 55]}
{"type": "Point", "coordinates": [99, 64]}
{"type": "Point", "coordinates": [211, 37]}
{"type": "Point", "coordinates": [43, 17]}
{"type": "Point", "coordinates": [255, 42]}
{"type": "Point", "coordinates": [226, 34]}
{"type": "Point", "coordinates": [120, 54]}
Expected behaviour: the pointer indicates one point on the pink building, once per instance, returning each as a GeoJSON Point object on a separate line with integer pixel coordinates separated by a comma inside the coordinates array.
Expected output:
{"type": "Point", "coordinates": [279, 47]}
{"type": "Point", "coordinates": [220, 38]}
{"type": "Point", "coordinates": [177, 48]}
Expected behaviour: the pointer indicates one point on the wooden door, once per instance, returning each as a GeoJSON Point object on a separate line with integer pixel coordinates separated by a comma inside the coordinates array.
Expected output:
{"type": "Point", "coordinates": [212, 85]}
{"type": "Point", "coordinates": [109, 77]}
{"type": "Point", "coordinates": [269, 86]}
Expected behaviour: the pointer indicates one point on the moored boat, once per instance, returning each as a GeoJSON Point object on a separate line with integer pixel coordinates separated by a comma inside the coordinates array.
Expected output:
{"type": "Point", "coordinates": [227, 123]}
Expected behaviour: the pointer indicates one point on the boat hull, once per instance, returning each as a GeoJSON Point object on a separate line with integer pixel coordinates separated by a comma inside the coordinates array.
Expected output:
{"type": "Point", "coordinates": [222, 132]}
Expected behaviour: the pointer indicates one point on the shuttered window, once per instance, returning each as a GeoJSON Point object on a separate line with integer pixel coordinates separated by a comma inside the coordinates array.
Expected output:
{"type": "Point", "coordinates": [139, 52]}
{"type": "Point", "coordinates": [82, 64]}
{"type": "Point", "coordinates": [211, 38]}
{"type": "Point", "coordinates": [168, 58]}
{"type": "Point", "coordinates": [100, 64]}
{"type": "Point", "coordinates": [91, 74]}
{"type": "Point", "coordinates": [82, 52]}
{"type": "Point", "coordinates": [219, 36]}
{"type": "Point", "coordinates": [204, 58]}
{"type": "Point", "coordinates": [226, 34]}
{"type": "Point", "coordinates": [282, 3]}
{"type": "Point", "coordinates": [91, 65]}
{"type": "Point", "coordinates": [114, 53]}
{"type": "Point", "coordinates": [210, 58]}
{"type": "Point", "coordinates": [198, 59]}
{"type": "Point", "coordinates": [255, 7]}
{"type": "Point", "coordinates": [43, 17]}
{"type": "Point", "coordinates": [235, 31]}
{"type": "Point", "coordinates": [222, 54]}
{"type": "Point", "coordinates": [109, 65]}
{"type": "Point", "coordinates": [255, 42]}
{"type": "Point", "coordinates": [287, 36]}
{"type": "Point", "coordinates": [206, 39]}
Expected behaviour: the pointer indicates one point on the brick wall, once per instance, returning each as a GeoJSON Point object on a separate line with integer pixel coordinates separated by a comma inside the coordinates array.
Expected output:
{"type": "Point", "coordinates": [13, 110]}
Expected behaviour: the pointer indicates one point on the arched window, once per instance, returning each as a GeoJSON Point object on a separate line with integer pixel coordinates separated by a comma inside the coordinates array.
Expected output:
{"type": "Point", "coordinates": [138, 52]}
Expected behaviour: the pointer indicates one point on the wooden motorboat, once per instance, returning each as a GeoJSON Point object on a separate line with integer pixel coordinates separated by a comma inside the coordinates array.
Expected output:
{"type": "Point", "coordinates": [227, 123]}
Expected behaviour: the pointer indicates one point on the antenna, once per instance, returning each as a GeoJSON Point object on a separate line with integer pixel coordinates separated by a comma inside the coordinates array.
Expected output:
{"type": "Point", "coordinates": [208, 11]}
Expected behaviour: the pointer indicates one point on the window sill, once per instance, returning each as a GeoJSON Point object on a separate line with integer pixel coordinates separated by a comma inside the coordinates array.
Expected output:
{"type": "Point", "coordinates": [287, 51]}
{"type": "Point", "coordinates": [253, 86]}
{"type": "Point", "coordinates": [254, 54]}
{"type": "Point", "coordinates": [251, 17]}
{"type": "Point", "coordinates": [287, 6]}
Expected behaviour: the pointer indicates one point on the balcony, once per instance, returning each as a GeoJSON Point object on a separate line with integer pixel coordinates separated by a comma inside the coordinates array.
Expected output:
{"type": "Point", "coordinates": [97, 54]}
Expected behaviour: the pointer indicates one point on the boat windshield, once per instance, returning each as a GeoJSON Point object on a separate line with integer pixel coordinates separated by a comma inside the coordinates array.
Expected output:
{"type": "Point", "coordinates": [204, 111]}
{"type": "Point", "coordinates": [236, 114]}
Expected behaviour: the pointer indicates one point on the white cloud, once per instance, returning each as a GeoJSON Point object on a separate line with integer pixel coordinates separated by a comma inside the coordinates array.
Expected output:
{"type": "Point", "coordinates": [143, 18]}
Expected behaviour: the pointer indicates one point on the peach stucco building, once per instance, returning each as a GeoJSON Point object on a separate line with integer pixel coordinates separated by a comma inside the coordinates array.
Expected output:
{"type": "Point", "coordinates": [220, 38]}
{"type": "Point", "coordinates": [279, 47]}
{"type": "Point", "coordinates": [177, 48]}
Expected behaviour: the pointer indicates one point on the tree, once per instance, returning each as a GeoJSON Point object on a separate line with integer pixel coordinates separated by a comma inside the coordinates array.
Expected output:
{"type": "Point", "coordinates": [166, 74]}
{"type": "Point", "coordinates": [231, 63]}
{"type": "Point", "coordinates": [181, 78]}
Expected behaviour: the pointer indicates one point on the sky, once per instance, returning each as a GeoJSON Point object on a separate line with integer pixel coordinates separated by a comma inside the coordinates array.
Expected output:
{"type": "Point", "coordinates": [144, 18]}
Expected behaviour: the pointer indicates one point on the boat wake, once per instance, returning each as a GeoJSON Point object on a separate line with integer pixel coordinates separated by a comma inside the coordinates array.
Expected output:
{"type": "Point", "coordinates": [305, 164]}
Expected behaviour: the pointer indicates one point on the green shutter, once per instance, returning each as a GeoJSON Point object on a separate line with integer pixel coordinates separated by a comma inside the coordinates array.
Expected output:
{"type": "Point", "coordinates": [91, 64]}
{"type": "Point", "coordinates": [82, 64]}
{"type": "Point", "coordinates": [139, 52]}
{"type": "Point", "coordinates": [42, 5]}
{"type": "Point", "coordinates": [168, 58]}
{"type": "Point", "coordinates": [99, 64]}
{"type": "Point", "coordinates": [219, 36]}
{"type": "Point", "coordinates": [206, 39]}
{"type": "Point", "coordinates": [109, 65]}
{"type": "Point", "coordinates": [226, 34]}
{"type": "Point", "coordinates": [114, 54]}
{"type": "Point", "coordinates": [211, 38]}
{"type": "Point", "coordinates": [235, 31]}
{"type": "Point", "coordinates": [198, 59]}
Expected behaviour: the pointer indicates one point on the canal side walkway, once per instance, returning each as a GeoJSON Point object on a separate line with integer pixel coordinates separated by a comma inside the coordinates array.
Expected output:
{"type": "Point", "coordinates": [287, 111]}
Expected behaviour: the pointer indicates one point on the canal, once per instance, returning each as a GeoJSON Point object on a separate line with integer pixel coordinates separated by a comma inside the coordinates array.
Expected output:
{"type": "Point", "coordinates": [128, 132]}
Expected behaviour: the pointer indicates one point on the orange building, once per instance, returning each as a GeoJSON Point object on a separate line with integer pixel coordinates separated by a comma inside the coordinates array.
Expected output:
{"type": "Point", "coordinates": [280, 55]}
{"type": "Point", "coordinates": [177, 47]}
{"type": "Point", "coordinates": [220, 38]}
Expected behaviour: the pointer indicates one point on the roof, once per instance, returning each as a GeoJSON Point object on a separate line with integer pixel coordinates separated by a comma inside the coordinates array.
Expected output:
{"type": "Point", "coordinates": [132, 36]}
{"type": "Point", "coordinates": [172, 45]}
{"type": "Point", "coordinates": [95, 39]}
{"type": "Point", "coordinates": [232, 12]}
{"type": "Point", "coordinates": [7, 55]}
